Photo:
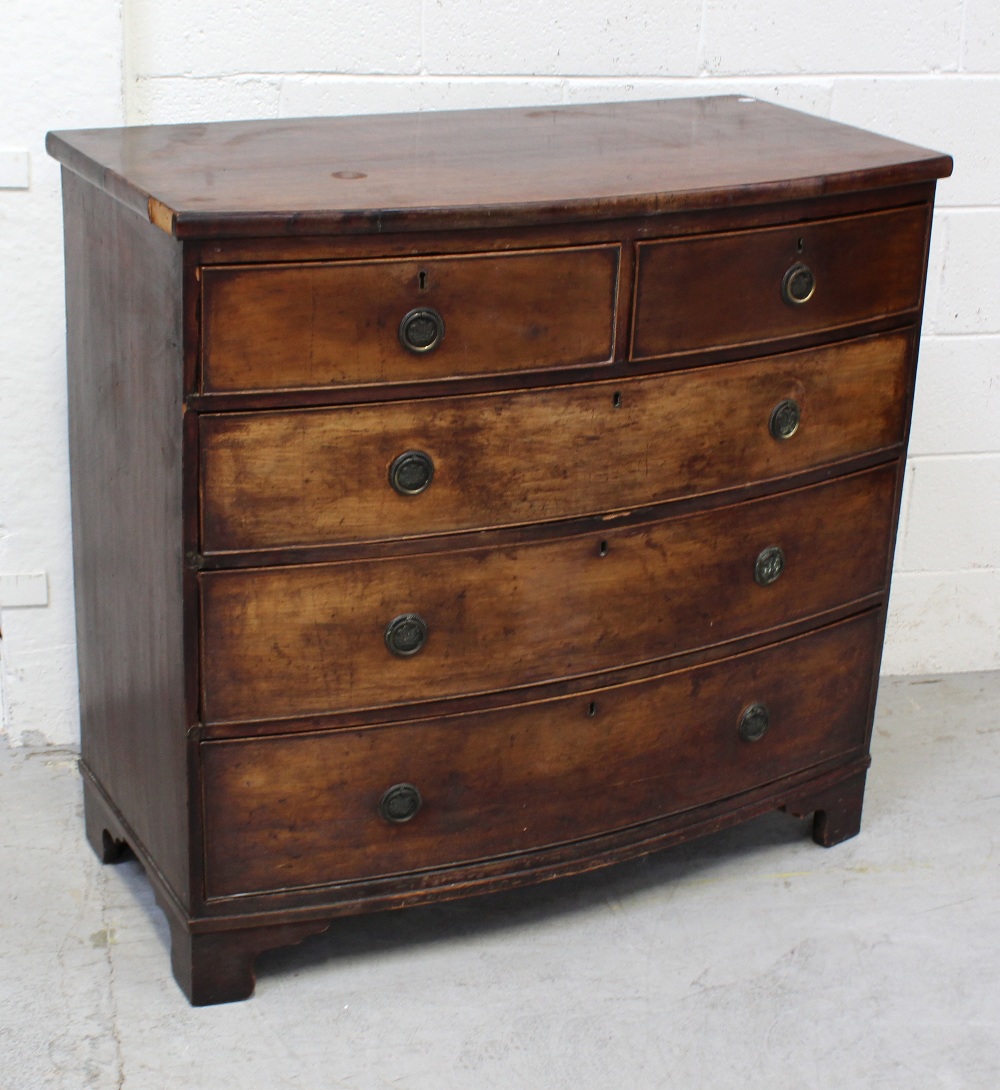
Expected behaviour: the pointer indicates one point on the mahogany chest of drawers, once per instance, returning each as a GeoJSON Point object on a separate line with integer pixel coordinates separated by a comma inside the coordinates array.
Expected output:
{"type": "Point", "coordinates": [463, 500]}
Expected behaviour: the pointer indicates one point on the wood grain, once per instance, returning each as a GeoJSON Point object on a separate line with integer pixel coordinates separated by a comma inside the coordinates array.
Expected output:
{"type": "Point", "coordinates": [717, 291]}
{"type": "Point", "coordinates": [308, 639]}
{"type": "Point", "coordinates": [280, 327]}
{"type": "Point", "coordinates": [478, 168]}
{"type": "Point", "coordinates": [604, 481]}
{"type": "Point", "coordinates": [314, 477]}
{"type": "Point", "coordinates": [124, 348]}
{"type": "Point", "coordinates": [303, 810]}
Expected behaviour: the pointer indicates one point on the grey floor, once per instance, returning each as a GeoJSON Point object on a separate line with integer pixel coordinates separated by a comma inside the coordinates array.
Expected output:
{"type": "Point", "coordinates": [749, 960]}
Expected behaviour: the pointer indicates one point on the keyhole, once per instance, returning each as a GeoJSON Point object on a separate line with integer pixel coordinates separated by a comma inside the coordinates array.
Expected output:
{"type": "Point", "coordinates": [592, 709]}
{"type": "Point", "coordinates": [422, 280]}
{"type": "Point", "coordinates": [603, 550]}
{"type": "Point", "coordinates": [616, 400]}
{"type": "Point", "coordinates": [801, 246]}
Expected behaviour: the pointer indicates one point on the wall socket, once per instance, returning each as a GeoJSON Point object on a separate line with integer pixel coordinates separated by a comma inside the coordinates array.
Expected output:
{"type": "Point", "coordinates": [20, 591]}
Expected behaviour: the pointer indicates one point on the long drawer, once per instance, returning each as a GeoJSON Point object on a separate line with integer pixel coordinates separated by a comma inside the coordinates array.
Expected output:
{"type": "Point", "coordinates": [300, 810]}
{"type": "Point", "coordinates": [350, 323]}
{"type": "Point", "coordinates": [746, 287]}
{"type": "Point", "coordinates": [308, 639]}
{"type": "Point", "coordinates": [319, 476]}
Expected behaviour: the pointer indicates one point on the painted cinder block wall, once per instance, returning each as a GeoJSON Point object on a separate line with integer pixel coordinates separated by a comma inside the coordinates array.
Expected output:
{"type": "Point", "coordinates": [927, 71]}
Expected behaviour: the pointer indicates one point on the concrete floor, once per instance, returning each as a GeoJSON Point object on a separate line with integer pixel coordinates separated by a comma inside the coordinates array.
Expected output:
{"type": "Point", "coordinates": [749, 960]}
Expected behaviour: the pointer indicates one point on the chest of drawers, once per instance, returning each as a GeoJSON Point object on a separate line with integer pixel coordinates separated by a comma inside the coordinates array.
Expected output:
{"type": "Point", "coordinates": [464, 500]}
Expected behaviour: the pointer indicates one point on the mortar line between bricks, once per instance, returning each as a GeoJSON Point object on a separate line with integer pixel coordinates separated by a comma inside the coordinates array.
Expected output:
{"type": "Point", "coordinates": [953, 336]}
{"type": "Point", "coordinates": [937, 573]}
{"type": "Point", "coordinates": [700, 55]}
{"type": "Point", "coordinates": [555, 77]}
{"type": "Point", "coordinates": [947, 209]}
{"type": "Point", "coordinates": [947, 455]}
{"type": "Point", "coordinates": [963, 38]}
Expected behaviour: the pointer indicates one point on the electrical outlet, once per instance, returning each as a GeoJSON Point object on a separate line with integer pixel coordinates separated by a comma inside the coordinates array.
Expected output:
{"type": "Point", "coordinates": [19, 591]}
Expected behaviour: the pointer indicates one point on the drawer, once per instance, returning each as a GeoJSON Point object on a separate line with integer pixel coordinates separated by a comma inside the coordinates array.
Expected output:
{"type": "Point", "coordinates": [308, 639]}
{"type": "Point", "coordinates": [302, 810]}
{"type": "Point", "coordinates": [724, 290]}
{"type": "Point", "coordinates": [321, 476]}
{"type": "Point", "coordinates": [343, 323]}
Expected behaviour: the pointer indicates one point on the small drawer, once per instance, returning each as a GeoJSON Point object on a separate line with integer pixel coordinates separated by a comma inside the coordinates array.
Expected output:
{"type": "Point", "coordinates": [339, 806]}
{"type": "Point", "coordinates": [412, 468]}
{"type": "Point", "coordinates": [309, 639]}
{"type": "Point", "coordinates": [359, 323]}
{"type": "Point", "coordinates": [746, 287]}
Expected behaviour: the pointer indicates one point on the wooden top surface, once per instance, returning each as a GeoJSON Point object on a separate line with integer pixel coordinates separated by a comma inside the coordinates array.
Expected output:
{"type": "Point", "coordinates": [475, 168]}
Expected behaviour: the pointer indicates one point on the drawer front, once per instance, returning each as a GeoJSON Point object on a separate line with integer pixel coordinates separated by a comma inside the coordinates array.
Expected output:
{"type": "Point", "coordinates": [342, 324]}
{"type": "Point", "coordinates": [720, 291]}
{"type": "Point", "coordinates": [309, 639]}
{"type": "Point", "coordinates": [300, 810]}
{"type": "Point", "coordinates": [321, 476]}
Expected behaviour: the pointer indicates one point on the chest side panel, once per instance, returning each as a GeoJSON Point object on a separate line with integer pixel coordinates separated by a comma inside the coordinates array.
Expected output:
{"type": "Point", "coordinates": [125, 358]}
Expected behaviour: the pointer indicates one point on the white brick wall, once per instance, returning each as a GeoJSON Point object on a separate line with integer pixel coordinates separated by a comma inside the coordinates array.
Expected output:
{"type": "Point", "coordinates": [921, 70]}
{"type": "Point", "coordinates": [60, 67]}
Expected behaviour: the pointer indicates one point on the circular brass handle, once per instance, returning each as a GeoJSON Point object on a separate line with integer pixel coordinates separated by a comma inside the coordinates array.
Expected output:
{"type": "Point", "coordinates": [399, 803]}
{"type": "Point", "coordinates": [421, 330]}
{"type": "Point", "coordinates": [754, 723]}
{"type": "Point", "coordinates": [798, 285]}
{"type": "Point", "coordinates": [769, 565]}
{"type": "Point", "coordinates": [411, 473]}
{"type": "Point", "coordinates": [785, 418]}
{"type": "Point", "coordinates": [406, 634]}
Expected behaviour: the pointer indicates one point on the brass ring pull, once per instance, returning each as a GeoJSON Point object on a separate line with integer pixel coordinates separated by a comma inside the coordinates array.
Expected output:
{"type": "Point", "coordinates": [406, 634]}
{"type": "Point", "coordinates": [411, 473]}
{"type": "Point", "coordinates": [798, 285]}
{"type": "Point", "coordinates": [769, 565]}
{"type": "Point", "coordinates": [421, 330]}
{"type": "Point", "coordinates": [399, 803]}
{"type": "Point", "coordinates": [754, 723]}
{"type": "Point", "coordinates": [785, 418]}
